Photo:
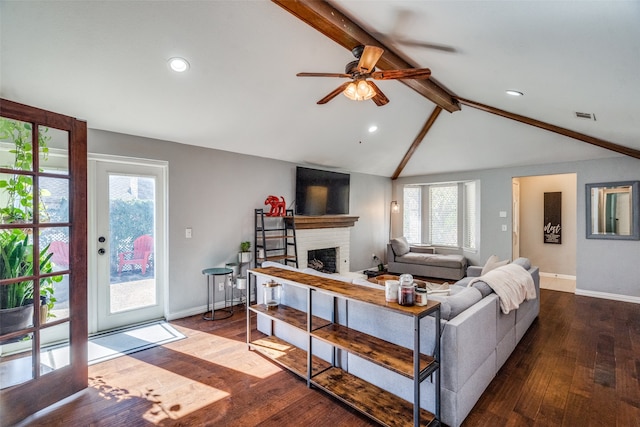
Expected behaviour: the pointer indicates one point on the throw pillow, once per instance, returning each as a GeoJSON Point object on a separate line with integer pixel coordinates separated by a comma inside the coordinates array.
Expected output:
{"type": "Point", "coordinates": [483, 287]}
{"type": "Point", "coordinates": [523, 262]}
{"type": "Point", "coordinates": [451, 306]}
{"type": "Point", "coordinates": [492, 263]}
{"type": "Point", "coordinates": [400, 246]}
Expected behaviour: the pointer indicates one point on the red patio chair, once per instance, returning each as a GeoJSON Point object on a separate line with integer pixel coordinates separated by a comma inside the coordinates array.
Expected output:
{"type": "Point", "coordinates": [142, 250]}
{"type": "Point", "coordinates": [60, 251]}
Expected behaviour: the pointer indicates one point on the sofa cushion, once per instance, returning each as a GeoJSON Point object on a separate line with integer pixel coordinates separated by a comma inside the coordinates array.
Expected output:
{"type": "Point", "coordinates": [400, 246]}
{"type": "Point", "coordinates": [434, 260]}
{"type": "Point", "coordinates": [492, 263]}
{"type": "Point", "coordinates": [451, 306]}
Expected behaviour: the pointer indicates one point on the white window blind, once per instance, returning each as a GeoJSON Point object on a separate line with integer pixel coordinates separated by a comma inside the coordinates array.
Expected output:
{"type": "Point", "coordinates": [470, 217]}
{"type": "Point", "coordinates": [443, 215]}
{"type": "Point", "coordinates": [412, 214]}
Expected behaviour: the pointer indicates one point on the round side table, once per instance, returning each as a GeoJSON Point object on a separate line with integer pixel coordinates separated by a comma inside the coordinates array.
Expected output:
{"type": "Point", "coordinates": [227, 311]}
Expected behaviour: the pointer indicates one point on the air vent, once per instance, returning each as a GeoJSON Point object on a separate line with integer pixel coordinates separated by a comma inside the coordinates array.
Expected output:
{"type": "Point", "coordinates": [586, 116]}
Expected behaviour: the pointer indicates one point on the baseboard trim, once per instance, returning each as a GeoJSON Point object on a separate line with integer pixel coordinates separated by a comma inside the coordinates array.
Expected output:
{"type": "Point", "coordinates": [200, 310]}
{"type": "Point", "coordinates": [558, 276]}
{"type": "Point", "coordinates": [606, 295]}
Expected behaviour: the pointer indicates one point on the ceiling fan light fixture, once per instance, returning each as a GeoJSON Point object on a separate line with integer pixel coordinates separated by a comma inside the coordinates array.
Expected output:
{"type": "Point", "coordinates": [359, 91]}
{"type": "Point", "coordinates": [179, 65]}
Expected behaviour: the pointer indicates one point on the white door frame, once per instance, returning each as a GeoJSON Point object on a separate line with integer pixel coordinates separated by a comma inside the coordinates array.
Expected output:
{"type": "Point", "coordinates": [161, 237]}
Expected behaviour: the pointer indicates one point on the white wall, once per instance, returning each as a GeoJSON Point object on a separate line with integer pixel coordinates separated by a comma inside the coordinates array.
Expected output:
{"type": "Point", "coordinates": [608, 268]}
{"type": "Point", "coordinates": [215, 192]}
{"type": "Point", "coordinates": [551, 258]}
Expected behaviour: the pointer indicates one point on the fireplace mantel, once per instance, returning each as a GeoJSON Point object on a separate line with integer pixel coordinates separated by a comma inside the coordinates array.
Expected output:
{"type": "Point", "coordinates": [324, 221]}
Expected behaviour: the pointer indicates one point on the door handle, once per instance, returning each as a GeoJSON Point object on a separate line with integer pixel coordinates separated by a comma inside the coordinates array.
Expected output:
{"type": "Point", "coordinates": [101, 251]}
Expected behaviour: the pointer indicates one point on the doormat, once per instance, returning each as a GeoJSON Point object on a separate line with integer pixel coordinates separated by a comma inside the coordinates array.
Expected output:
{"type": "Point", "coordinates": [110, 345]}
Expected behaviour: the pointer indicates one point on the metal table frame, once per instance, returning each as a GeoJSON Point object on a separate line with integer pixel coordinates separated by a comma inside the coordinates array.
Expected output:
{"type": "Point", "coordinates": [211, 273]}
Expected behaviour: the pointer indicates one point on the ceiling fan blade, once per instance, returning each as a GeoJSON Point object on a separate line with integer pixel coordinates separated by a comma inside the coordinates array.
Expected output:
{"type": "Point", "coordinates": [369, 58]}
{"type": "Point", "coordinates": [409, 73]}
{"type": "Point", "coordinates": [323, 75]}
{"type": "Point", "coordinates": [335, 93]}
{"type": "Point", "coordinates": [379, 98]}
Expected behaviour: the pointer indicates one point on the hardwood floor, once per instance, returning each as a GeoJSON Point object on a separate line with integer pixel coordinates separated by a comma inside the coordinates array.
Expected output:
{"type": "Point", "coordinates": [578, 365]}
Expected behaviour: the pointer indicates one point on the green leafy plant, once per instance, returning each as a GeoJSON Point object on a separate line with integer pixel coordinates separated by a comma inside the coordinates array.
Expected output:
{"type": "Point", "coordinates": [18, 188]}
{"type": "Point", "coordinates": [245, 246]}
{"type": "Point", "coordinates": [16, 260]}
{"type": "Point", "coordinates": [16, 250]}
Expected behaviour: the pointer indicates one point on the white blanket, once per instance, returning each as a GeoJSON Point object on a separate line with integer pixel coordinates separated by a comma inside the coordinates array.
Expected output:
{"type": "Point", "coordinates": [512, 283]}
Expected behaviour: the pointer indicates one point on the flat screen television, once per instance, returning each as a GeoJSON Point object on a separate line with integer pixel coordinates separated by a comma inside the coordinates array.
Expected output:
{"type": "Point", "coordinates": [320, 192]}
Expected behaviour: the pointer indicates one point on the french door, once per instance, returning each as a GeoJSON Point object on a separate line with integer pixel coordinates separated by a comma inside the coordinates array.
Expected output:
{"type": "Point", "coordinates": [43, 243]}
{"type": "Point", "coordinates": [126, 242]}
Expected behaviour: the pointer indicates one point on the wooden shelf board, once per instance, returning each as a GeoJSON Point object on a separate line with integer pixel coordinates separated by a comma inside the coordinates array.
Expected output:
{"type": "Point", "coordinates": [324, 221]}
{"type": "Point", "coordinates": [292, 316]}
{"type": "Point", "coordinates": [391, 356]}
{"type": "Point", "coordinates": [380, 405]}
{"type": "Point", "coordinates": [277, 258]}
{"type": "Point", "coordinates": [288, 355]}
{"type": "Point", "coordinates": [346, 290]}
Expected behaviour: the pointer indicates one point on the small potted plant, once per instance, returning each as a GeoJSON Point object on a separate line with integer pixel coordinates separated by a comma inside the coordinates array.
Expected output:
{"type": "Point", "coordinates": [378, 262]}
{"type": "Point", "coordinates": [245, 255]}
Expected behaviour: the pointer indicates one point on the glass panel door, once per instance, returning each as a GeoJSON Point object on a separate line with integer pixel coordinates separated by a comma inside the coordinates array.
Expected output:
{"type": "Point", "coordinates": [43, 299]}
{"type": "Point", "coordinates": [129, 232]}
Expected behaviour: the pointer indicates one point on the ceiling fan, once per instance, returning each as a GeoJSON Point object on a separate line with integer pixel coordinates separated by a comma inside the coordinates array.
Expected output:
{"type": "Point", "coordinates": [361, 89]}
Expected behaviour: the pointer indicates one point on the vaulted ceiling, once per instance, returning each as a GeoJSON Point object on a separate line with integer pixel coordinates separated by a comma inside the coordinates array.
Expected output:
{"type": "Point", "coordinates": [106, 62]}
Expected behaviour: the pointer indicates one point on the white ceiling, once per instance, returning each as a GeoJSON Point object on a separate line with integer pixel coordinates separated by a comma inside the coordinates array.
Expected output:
{"type": "Point", "coordinates": [105, 62]}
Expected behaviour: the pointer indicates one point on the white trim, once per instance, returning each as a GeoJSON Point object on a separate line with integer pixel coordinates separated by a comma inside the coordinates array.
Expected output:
{"type": "Point", "coordinates": [607, 295]}
{"type": "Point", "coordinates": [558, 276]}
{"type": "Point", "coordinates": [125, 159]}
{"type": "Point", "coordinates": [558, 282]}
{"type": "Point", "coordinates": [201, 310]}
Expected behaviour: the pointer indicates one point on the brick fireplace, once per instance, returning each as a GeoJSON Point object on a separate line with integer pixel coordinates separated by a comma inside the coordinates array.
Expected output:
{"type": "Point", "coordinates": [325, 232]}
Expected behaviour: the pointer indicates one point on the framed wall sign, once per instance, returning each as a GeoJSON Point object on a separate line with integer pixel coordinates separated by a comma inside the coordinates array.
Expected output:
{"type": "Point", "coordinates": [553, 217]}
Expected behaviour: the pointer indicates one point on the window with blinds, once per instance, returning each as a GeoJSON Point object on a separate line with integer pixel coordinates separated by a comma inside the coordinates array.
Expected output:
{"type": "Point", "coordinates": [449, 215]}
{"type": "Point", "coordinates": [470, 219]}
{"type": "Point", "coordinates": [412, 214]}
{"type": "Point", "coordinates": [443, 215]}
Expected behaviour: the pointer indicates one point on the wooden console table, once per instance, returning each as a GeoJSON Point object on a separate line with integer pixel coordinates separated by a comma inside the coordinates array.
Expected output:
{"type": "Point", "coordinates": [380, 405]}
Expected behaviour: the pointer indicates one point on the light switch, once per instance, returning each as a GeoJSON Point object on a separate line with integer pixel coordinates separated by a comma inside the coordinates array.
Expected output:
{"type": "Point", "coordinates": [188, 232]}
{"type": "Point", "coordinates": [503, 214]}
{"type": "Point", "coordinates": [504, 227]}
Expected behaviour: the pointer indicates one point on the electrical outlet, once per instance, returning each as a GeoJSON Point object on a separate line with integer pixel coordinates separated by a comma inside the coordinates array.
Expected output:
{"type": "Point", "coordinates": [188, 232]}
{"type": "Point", "coordinates": [221, 286]}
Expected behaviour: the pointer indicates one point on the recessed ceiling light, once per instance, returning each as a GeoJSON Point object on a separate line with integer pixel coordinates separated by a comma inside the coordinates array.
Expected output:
{"type": "Point", "coordinates": [178, 65]}
{"type": "Point", "coordinates": [373, 128]}
{"type": "Point", "coordinates": [514, 93]}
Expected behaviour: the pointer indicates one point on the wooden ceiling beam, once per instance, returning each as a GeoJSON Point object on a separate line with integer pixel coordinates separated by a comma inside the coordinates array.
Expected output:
{"type": "Point", "coordinates": [553, 128]}
{"type": "Point", "coordinates": [416, 142]}
{"type": "Point", "coordinates": [338, 27]}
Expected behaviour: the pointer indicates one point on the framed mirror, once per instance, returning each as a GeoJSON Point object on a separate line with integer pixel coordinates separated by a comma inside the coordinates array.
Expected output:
{"type": "Point", "coordinates": [613, 210]}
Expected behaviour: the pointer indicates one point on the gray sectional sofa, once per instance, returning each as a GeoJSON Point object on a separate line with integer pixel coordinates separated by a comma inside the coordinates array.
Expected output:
{"type": "Point", "coordinates": [423, 261]}
{"type": "Point", "coordinates": [477, 338]}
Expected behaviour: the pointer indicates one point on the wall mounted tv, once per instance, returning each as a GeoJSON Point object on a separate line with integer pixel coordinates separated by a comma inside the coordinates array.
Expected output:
{"type": "Point", "coordinates": [321, 192]}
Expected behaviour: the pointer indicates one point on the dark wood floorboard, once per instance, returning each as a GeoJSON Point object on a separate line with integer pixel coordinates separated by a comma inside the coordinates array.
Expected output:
{"type": "Point", "coordinates": [578, 365]}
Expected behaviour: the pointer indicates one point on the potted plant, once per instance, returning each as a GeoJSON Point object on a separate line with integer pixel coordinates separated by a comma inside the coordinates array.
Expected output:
{"type": "Point", "coordinates": [16, 250]}
{"type": "Point", "coordinates": [18, 188]}
{"type": "Point", "coordinates": [16, 299]}
{"type": "Point", "coordinates": [245, 255]}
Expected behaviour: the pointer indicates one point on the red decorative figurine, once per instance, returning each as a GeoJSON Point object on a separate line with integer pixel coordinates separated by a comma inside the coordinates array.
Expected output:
{"type": "Point", "coordinates": [278, 206]}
